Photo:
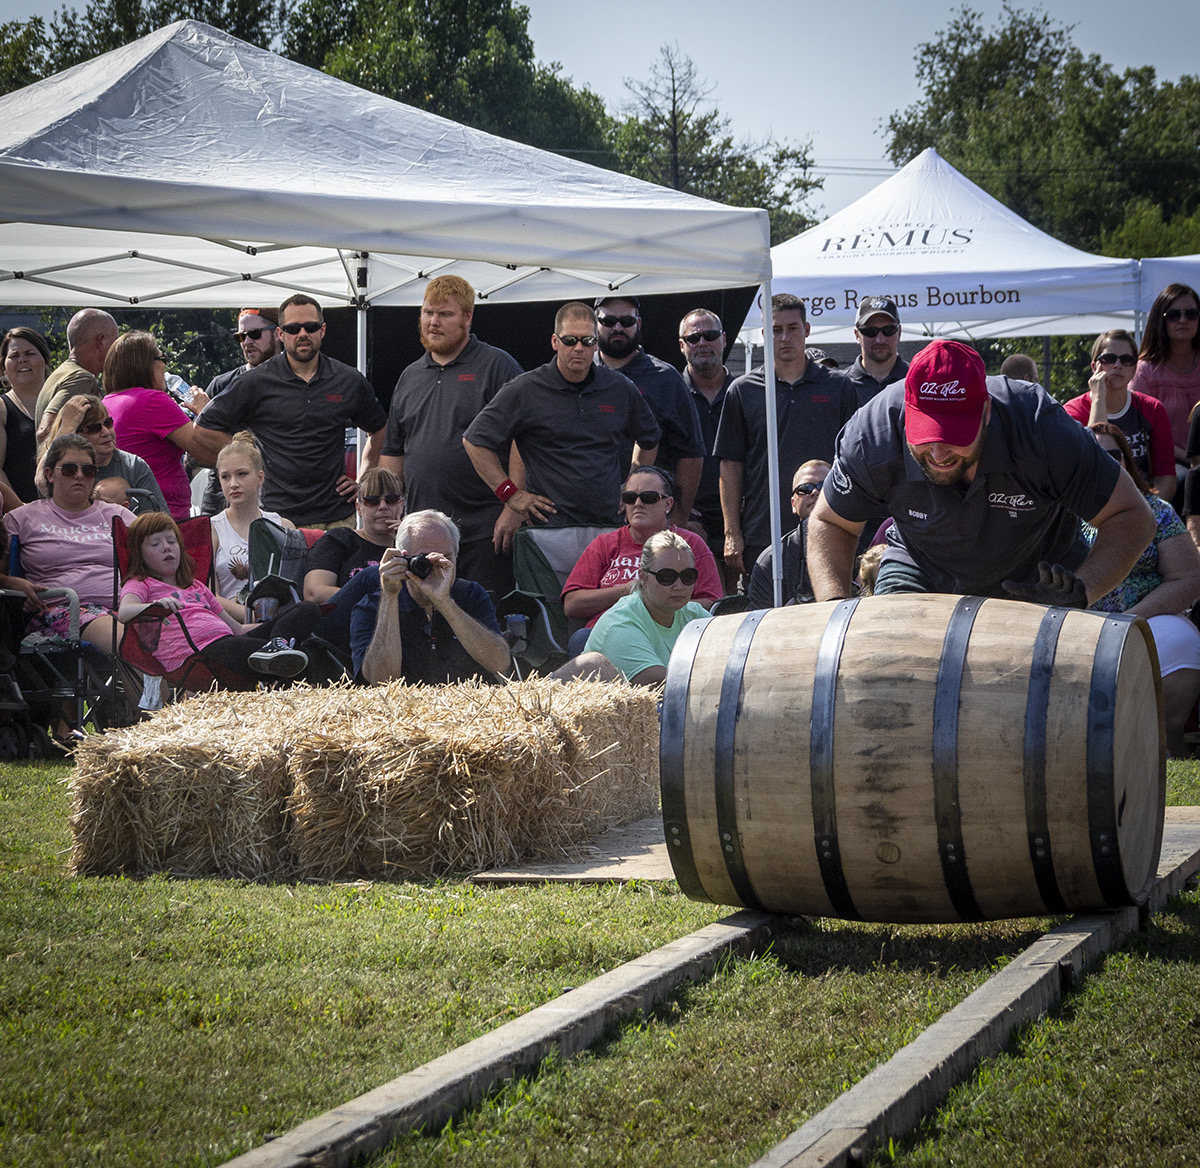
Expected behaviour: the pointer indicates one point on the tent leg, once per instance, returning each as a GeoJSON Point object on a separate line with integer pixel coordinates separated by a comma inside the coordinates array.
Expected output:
{"type": "Point", "coordinates": [772, 448]}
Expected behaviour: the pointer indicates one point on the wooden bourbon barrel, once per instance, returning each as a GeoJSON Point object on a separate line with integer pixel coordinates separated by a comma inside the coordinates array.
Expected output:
{"type": "Point", "coordinates": [915, 758]}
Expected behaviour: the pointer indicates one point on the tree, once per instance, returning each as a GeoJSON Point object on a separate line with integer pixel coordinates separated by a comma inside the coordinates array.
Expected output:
{"type": "Point", "coordinates": [1060, 138]}
{"type": "Point", "coordinates": [469, 60]}
{"type": "Point", "coordinates": [673, 136]}
{"type": "Point", "coordinates": [1145, 232]}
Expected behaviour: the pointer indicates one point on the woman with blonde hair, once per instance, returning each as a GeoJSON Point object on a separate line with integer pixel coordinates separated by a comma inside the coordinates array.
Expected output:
{"type": "Point", "coordinates": [241, 476]}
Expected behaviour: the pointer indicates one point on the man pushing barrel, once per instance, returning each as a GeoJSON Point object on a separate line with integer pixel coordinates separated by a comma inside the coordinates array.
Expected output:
{"type": "Point", "coordinates": [986, 481]}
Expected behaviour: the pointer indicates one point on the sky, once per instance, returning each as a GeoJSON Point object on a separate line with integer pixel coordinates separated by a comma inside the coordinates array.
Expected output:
{"type": "Point", "coordinates": [825, 72]}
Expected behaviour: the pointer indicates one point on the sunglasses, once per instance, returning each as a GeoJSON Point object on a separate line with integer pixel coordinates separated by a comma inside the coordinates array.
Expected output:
{"type": "Point", "coordinates": [667, 576]}
{"type": "Point", "coordinates": [647, 497]}
{"type": "Point", "coordinates": [71, 469]}
{"type": "Point", "coordinates": [1115, 452]}
{"type": "Point", "coordinates": [808, 488]}
{"type": "Point", "coordinates": [1126, 359]}
{"type": "Point", "coordinates": [871, 332]}
{"type": "Point", "coordinates": [375, 500]}
{"type": "Point", "coordinates": [254, 334]}
{"type": "Point", "coordinates": [702, 335]}
{"type": "Point", "coordinates": [96, 427]}
{"type": "Point", "coordinates": [613, 321]}
{"type": "Point", "coordinates": [1174, 314]}
{"type": "Point", "coordinates": [570, 341]}
{"type": "Point", "coordinates": [309, 326]}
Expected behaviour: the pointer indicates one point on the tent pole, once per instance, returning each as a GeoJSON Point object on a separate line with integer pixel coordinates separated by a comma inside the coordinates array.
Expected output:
{"type": "Point", "coordinates": [362, 280]}
{"type": "Point", "coordinates": [772, 417]}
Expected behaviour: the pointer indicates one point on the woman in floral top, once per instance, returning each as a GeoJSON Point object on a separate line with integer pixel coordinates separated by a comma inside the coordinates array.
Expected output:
{"type": "Point", "coordinates": [1163, 585]}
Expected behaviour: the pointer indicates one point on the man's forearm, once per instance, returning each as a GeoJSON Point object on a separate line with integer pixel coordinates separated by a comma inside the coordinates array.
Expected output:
{"type": "Point", "coordinates": [731, 495]}
{"type": "Point", "coordinates": [687, 476]}
{"type": "Point", "coordinates": [486, 463]}
{"type": "Point", "coordinates": [384, 659]}
{"type": "Point", "coordinates": [488, 648]}
{"type": "Point", "coordinates": [830, 559]}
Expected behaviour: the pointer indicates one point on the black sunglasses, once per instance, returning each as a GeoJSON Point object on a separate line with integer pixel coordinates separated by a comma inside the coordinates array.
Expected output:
{"type": "Point", "coordinates": [871, 332]}
{"type": "Point", "coordinates": [309, 326]}
{"type": "Point", "coordinates": [1126, 359]}
{"type": "Point", "coordinates": [571, 341]}
{"type": "Point", "coordinates": [613, 321]}
{"type": "Point", "coordinates": [1174, 314]}
{"type": "Point", "coordinates": [667, 576]}
{"type": "Point", "coordinates": [649, 498]}
{"type": "Point", "coordinates": [96, 427]}
{"type": "Point", "coordinates": [702, 335]}
{"type": "Point", "coordinates": [374, 500]}
{"type": "Point", "coordinates": [808, 488]}
{"type": "Point", "coordinates": [254, 334]}
{"type": "Point", "coordinates": [71, 469]}
{"type": "Point", "coordinates": [1115, 451]}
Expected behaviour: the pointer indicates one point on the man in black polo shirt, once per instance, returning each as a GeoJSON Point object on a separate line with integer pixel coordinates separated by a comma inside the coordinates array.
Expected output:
{"type": "Point", "coordinates": [299, 405]}
{"type": "Point", "coordinates": [812, 404]}
{"type": "Point", "coordinates": [435, 400]}
{"type": "Point", "coordinates": [702, 342]}
{"type": "Point", "coordinates": [877, 331]}
{"type": "Point", "coordinates": [681, 448]}
{"type": "Point", "coordinates": [569, 419]}
{"type": "Point", "coordinates": [986, 481]}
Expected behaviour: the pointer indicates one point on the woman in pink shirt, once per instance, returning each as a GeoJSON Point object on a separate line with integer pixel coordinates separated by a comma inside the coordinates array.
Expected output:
{"type": "Point", "coordinates": [1169, 360]}
{"type": "Point", "coordinates": [148, 421]}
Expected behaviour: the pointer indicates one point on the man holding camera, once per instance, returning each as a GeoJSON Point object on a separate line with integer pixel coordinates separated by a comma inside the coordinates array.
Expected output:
{"type": "Point", "coordinates": [421, 624]}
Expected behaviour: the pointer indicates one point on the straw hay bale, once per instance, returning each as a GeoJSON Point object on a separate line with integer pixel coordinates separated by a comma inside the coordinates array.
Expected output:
{"type": "Point", "coordinates": [347, 782]}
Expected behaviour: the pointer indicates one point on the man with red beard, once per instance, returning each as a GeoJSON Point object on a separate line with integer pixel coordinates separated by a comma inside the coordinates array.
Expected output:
{"type": "Point", "coordinates": [986, 480]}
{"type": "Point", "coordinates": [435, 400]}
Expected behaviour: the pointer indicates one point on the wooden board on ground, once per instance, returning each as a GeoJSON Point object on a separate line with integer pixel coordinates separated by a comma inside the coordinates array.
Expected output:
{"type": "Point", "coordinates": [637, 851]}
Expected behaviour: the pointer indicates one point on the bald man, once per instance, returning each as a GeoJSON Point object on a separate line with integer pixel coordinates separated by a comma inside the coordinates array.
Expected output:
{"type": "Point", "coordinates": [90, 333]}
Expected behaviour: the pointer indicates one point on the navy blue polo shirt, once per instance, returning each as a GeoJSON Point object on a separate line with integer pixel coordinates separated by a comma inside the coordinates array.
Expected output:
{"type": "Point", "coordinates": [867, 386]}
{"type": "Point", "coordinates": [665, 392]}
{"type": "Point", "coordinates": [431, 408]}
{"type": "Point", "coordinates": [1040, 473]}
{"type": "Point", "coordinates": [300, 427]}
{"type": "Point", "coordinates": [810, 413]}
{"type": "Point", "coordinates": [431, 653]}
{"type": "Point", "coordinates": [569, 436]}
{"type": "Point", "coordinates": [708, 496]}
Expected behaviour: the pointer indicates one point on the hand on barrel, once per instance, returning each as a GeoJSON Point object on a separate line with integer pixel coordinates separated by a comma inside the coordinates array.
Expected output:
{"type": "Point", "coordinates": [1056, 588]}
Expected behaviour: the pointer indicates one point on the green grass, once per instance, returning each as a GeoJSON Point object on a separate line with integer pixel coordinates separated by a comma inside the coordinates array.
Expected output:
{"type": "Point", "coordinates": [162, 1022]}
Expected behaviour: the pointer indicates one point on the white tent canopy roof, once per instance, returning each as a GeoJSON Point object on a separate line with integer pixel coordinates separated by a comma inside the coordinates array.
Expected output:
{"type": "Point", "coordinates": [957, 262]}
{"type": "Point", "coordinates": [266, 168]}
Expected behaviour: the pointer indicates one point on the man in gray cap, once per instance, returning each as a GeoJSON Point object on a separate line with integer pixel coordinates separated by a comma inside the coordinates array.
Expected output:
{"type": "Point", "coordinates": [877, 331]}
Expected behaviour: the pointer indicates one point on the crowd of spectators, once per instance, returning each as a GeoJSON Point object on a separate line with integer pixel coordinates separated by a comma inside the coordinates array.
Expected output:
{"type": "Point", "coordinates": [670, 468]}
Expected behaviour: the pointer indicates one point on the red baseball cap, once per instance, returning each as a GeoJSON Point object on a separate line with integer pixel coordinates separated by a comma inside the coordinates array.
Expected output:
{"type": "Point", "coordinates": [945, 391]}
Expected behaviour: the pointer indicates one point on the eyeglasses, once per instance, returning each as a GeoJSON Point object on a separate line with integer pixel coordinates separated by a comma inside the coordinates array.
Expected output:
{"type": "Point", "coordinates": [667, 576]}
{"type": "Point", "coordinates": [807, 488]}
{"type": "Point", "coordinates": [570, 341]}
{"type": "Point", "coordinates": [309, 326]}
{"type": "Point", "coordinates": [647, 497]}
{"type": "Point", "coordinates": [71, 469]}
{"type": "Point", "coordinates": [871, 332]}
{"type": "Point", "coordinates": [703, 335]}
{"type": "Point", "coordinates": [1175, 314]}
{"type": "Point", "coordinates": [96, 427]}
{"type": "Point", "coordinates": [1126, 359]}
{"type": "Point", "coordinates": [254, 334]}
{"type": "Point", "coordinates": [613, 321]}
{"type": "Point", "coordinates": [374, 500]}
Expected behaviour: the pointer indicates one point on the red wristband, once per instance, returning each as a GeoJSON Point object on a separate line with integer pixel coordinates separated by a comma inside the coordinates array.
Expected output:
{"type": "Point", "coordinates": [506, 490]}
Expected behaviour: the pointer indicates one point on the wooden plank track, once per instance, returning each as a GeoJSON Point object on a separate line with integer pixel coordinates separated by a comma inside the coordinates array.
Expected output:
{"type": "Point", "coordinates": [894, 1097]}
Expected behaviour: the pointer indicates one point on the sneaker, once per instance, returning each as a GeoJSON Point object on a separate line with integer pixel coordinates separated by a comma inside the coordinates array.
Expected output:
{"type": "Point", "coordinates": [279, 659]}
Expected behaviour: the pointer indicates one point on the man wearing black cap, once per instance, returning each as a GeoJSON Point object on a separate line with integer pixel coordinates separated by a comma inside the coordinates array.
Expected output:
{"type": "Point", "coordinates": [986, 481]}
{"type": "Point", "coordinates": [681, 448]}
{"type": "Point", "coordinates": [877, 331]}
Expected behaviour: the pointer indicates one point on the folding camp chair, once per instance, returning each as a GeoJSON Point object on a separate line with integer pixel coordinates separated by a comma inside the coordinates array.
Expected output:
{"type": "Point", "coordinates": [277, 561]}
{"type": "Point", "coordinates": [542, 560]}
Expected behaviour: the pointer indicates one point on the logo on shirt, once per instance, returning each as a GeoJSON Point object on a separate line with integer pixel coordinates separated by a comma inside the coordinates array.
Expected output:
{"type": "Point", "coordinates": [821, 399]}
{"type": "Point", "coordinates": [841, 480]}
{"type": "Point", "coordinates": [607, 408]}
{"type": "Point", "coordinates": [1014, 504]}
{"type": "Point", "coordinates": [466, 377]}
{"type": "Point", "coordinates": [333, 397]}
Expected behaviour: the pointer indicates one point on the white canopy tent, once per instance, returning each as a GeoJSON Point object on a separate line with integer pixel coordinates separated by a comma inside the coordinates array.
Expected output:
{"type": "Point", "coordinates": [190, 168]}
{"type": "Point", "coordinates": [1157, 273]}
{"type": "Point", "coordinates": [957, 262]}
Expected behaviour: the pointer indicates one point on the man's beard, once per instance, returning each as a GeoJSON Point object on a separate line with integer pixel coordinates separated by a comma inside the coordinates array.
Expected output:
{"type": "Point", "coordinates": [949, 476]}
{"type": "Point", "coordinates": [440, 345]}
{"type": "Point", "coordinates": [619, 346]}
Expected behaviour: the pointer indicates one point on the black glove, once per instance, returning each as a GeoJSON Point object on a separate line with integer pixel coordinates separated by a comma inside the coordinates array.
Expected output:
{"type": "Point", "coordinates": [1056, 588]}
